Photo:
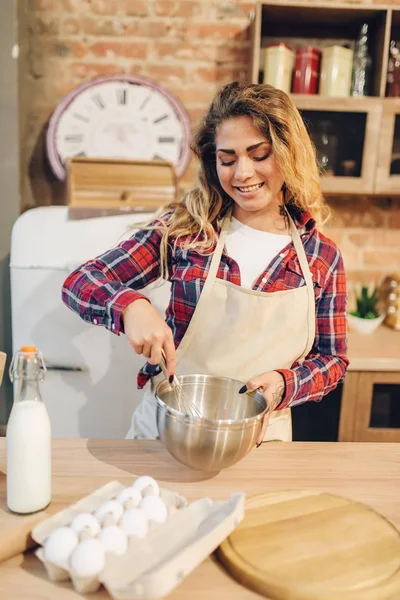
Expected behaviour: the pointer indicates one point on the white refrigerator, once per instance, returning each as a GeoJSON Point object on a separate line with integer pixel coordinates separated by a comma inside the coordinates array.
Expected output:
{"type": "Point", "coordinates": [90, 386]}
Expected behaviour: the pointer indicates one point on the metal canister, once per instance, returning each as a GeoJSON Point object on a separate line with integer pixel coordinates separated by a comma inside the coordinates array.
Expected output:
{"type": "Point", "coordinates": [306, 70]}
{"type": "Point", "coordinates": [278, 66]}
{"type": "Point", "coordinates": [336, 69]}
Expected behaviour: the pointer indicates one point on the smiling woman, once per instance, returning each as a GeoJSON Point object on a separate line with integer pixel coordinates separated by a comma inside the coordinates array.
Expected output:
{"type": "Point", "coordinates": [249, 174]}
{"type": "Point", "coordinates": [258, 293]}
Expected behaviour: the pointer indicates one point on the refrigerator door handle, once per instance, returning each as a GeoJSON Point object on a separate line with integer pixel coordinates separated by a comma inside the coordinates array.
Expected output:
{"type": "Point", "coordinates": [53, 367]}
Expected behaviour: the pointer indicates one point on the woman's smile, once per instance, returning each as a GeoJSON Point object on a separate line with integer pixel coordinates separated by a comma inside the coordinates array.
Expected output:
{"type": "Point", "coordinates": [249, 190]}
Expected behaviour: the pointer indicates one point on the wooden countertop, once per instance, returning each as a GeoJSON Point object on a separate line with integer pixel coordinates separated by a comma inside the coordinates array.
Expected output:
{"type": "Point", "coordinates": [368, 473]}
{"type": "Point", "coordinates": [379, 351]}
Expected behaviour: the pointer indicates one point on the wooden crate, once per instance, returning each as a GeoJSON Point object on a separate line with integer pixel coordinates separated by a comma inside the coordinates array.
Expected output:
{"type": "Point", "coordinates": [100, 186]}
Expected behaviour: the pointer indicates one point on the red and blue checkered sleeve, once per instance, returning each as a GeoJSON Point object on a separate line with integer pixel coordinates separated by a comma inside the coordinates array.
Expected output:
{"type": "Point", "coordinates": [326, 364]}
{"type": "Point", "coordinates": [100, 289]}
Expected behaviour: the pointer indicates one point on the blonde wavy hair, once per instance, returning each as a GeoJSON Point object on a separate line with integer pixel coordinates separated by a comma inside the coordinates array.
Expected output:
{"type": "Point", "coordinates": [278, 120]}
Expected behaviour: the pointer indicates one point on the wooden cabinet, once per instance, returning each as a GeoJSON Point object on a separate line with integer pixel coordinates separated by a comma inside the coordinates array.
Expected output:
{"type": "Point", "coordinates": [370, 404]}
{"type": "Point", "coordinates": [388, 164]}
{"type": "Point", "coordinates": [355, 123]}
{"type": "Point", "coordinates": [365, 131]}
{"type": "Point", "coordinates": [370, 409]}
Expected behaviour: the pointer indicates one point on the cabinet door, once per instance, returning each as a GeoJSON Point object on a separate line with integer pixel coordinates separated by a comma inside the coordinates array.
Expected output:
{"type": "Point", "coordinates": [388, 168]}
{"type": "Point", "coordinates": [345, 132]}
{"type": "Point", "coordinates": [377, 417]}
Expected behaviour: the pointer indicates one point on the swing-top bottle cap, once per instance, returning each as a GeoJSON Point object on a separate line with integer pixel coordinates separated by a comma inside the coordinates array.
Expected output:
{"type": "Point", "coordinates": [28, 349]}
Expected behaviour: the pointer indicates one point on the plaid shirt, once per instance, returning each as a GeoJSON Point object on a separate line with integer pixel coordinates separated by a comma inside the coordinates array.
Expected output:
{"type": "Point", "coordinates": [99, 290]}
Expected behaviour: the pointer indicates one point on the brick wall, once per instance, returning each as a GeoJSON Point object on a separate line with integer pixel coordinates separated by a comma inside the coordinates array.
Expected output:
{"type": "Point", "coordinates": [191, 47]}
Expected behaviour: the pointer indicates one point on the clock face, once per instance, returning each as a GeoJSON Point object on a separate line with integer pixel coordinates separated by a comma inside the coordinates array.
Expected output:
{"type": "Point", "coordinates": [120, 116]}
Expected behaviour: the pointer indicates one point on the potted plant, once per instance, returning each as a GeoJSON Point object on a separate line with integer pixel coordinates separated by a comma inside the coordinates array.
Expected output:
{"type": "Point", "coordinates": [366, 317]}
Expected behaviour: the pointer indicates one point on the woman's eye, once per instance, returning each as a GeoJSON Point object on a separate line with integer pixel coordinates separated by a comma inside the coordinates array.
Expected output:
{"type": "Point", "coordinates": [227, 164]}
{"type": "Point", "coordinates": [263, 157]}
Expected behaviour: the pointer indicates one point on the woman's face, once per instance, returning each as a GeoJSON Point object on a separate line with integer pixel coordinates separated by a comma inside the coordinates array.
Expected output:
{"type": "Point", "coordinates": [246, 167]}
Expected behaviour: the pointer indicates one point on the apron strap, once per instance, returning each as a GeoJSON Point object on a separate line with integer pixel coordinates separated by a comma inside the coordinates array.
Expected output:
{"type": "Point", "coordinates": [298, 245]}
{"type": "Point", "coordinates": [207, 287]}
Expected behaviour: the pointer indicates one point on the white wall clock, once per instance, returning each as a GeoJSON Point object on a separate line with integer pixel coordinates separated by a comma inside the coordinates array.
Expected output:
{"type": "Point", "coordinates": [119, 116]}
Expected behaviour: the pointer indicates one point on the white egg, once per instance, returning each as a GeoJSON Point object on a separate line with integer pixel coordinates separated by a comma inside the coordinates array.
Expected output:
{"type": "Point", "coordinates": [155, 508]}
{"type": "Point", "coordinates": [135, 522]}
{"type": "Point", "coordinates": [129, 497]}
{"type": "Point", "coordinates": [146, 485]}
{"type": "Point", "coordinates": [114, 539]}
{"type": "Point", "coordinates": [109, 513]}
{"type": "Point", "coordinates": [85, 524]}
{"type": "Point", "coordinates": [88, 558]}
{"type": "Point", "coordinates": [59, 545]}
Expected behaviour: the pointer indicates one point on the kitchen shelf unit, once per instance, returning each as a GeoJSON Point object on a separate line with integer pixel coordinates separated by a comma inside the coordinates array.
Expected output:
{"type": "Point", "coordinates": [374, 131]}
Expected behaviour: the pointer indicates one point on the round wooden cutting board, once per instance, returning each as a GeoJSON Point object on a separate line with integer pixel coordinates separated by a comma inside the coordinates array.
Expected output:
{"type": "Point", "coordinates": [306, 545]}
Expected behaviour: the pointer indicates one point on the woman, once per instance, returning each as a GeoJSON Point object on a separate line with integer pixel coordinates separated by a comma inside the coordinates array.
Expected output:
{"type": "Point", "coordinates": [257, 292]}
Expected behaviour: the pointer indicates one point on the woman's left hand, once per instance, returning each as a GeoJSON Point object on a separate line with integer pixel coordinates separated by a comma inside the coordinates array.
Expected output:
{"type": "Point", "coordinates": [272, 386]}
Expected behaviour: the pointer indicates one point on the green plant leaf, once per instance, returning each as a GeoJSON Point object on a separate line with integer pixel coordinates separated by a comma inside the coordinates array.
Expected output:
{"type": "Point", "coordinates": [366, 303]}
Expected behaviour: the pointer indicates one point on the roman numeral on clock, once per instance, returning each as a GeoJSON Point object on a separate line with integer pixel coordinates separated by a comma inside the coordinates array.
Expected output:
{"type": "Point", "coordinates": [161, 119]}
{"type": "Point", "coordinates": [122, 96]}
{"type": "Point", "coordinates": [98, 100]}
{"type": "Point", "coordinates": [145, 101]}
{"type": "Point", "coordinates": [166, 140]}
{"type": "Point", "coordinates": [80, 117]}
{"type": "Point", "coordinates": [75, 137]}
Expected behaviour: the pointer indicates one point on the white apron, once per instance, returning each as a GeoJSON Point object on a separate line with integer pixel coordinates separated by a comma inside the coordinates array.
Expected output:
{"type": "Point", "coordinates": [240, 333]}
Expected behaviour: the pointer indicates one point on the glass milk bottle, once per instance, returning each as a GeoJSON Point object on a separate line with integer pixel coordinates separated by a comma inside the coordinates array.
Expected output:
{"type": "Point", "coordinates": [28, 436]}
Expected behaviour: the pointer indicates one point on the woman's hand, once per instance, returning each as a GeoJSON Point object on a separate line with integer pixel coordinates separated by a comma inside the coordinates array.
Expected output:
{"type": "Point", "coordinates": [148, 333]}
{"type": "Point", "coordinates": [272, 386]}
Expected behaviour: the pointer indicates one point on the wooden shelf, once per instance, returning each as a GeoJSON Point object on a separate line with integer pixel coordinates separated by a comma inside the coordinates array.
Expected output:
{"type": "Point", "coordinates": [327, 103]}
{"type": "Point", "coordinates": [336, 18]}
{"type": "Point", "coordinates": [321, 24]}
{"type": "Point", "coordinates": [385, 182]}
{"type": "Point", "coordinates": [346, 104]}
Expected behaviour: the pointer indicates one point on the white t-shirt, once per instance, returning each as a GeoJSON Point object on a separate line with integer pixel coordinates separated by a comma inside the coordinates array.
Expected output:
{"type": "Point", "coordinates": [253, 250]}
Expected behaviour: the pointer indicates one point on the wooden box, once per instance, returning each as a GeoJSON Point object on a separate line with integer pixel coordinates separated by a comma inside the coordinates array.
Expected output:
{"type": "Point", "coordinates": [102, 186]}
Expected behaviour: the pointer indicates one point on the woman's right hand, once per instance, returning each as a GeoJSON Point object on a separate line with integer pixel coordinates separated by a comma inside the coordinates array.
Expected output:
{"type": "Point", "coordinates": [148, 334]}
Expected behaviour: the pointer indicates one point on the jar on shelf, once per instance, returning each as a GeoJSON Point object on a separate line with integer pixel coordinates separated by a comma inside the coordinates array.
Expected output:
{"type": "Point", "coordinates": [326, 145]}
{"type": "Point", "coordinates": [306, 70]}
{"type": "Point", "coordinates": [393, 71]}
{"type": "Point", "coordinates": [278, 66]}
{"type": "Point", "coordinates": [336, 70]}
{"type": "Point", "coordinates": [361, 76]}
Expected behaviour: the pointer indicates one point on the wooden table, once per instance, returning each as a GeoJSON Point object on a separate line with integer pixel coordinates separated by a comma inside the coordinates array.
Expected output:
{"type": "Point", "coordinates": [374, 359]}
{"type": "Point", "coordinates": [368, 473]}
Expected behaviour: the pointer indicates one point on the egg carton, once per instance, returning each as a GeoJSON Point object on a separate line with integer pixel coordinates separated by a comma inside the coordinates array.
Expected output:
{"type": "Point", "coordinates": [153, 566]}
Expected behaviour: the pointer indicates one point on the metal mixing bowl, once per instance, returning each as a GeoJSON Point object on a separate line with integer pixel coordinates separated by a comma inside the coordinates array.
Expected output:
{"type": "Point", "coordinates": [227, 432]}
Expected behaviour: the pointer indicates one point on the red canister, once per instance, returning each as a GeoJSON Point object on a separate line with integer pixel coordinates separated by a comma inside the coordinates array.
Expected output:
{"type": "Point", "coordinates": [306, 70]}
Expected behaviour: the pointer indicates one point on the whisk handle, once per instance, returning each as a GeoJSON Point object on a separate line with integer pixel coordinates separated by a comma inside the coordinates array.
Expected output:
{"type": "Point", "coordinates": [163, 364]}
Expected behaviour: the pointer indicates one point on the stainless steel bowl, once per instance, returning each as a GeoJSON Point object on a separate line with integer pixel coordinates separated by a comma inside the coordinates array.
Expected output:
{"type": "Point", "coordinates": [227, 432]}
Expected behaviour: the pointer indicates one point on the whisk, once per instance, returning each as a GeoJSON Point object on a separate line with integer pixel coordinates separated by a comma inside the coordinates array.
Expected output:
{"type": "Point", "coordinates": [183, 402]}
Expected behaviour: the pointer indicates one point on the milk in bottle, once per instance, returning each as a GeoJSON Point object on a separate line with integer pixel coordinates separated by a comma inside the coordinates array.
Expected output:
{"type": "Point", "coordinates": [28, 436]}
